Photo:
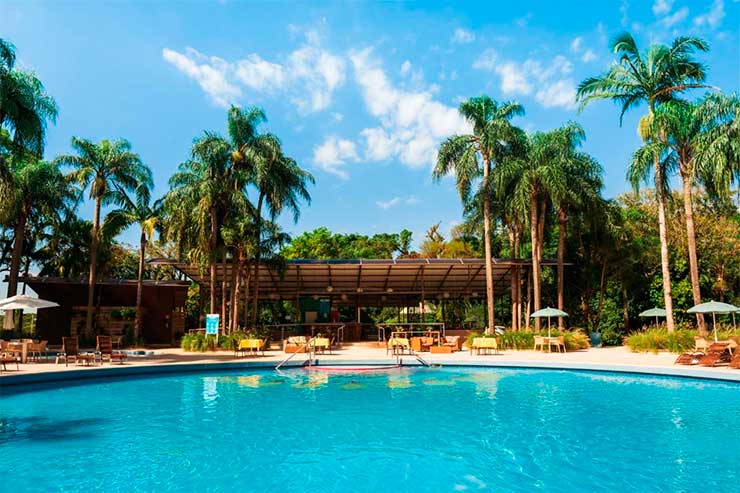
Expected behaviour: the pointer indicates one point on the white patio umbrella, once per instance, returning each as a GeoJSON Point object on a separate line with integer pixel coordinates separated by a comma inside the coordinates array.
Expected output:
{"type": "Point", "coordinates": [25, 302]}
{"type": "Point", "coordinates": [548, 312]}
{"type": "Point", "coordinates": [653, 312]}
{"type": "Point", "coordinates": [713, 307]}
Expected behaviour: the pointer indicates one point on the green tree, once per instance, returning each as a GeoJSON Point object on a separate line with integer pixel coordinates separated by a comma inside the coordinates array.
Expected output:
{"type": "Point", "coordinates": [33, 191]}
{"type": "Point", "coordinates": [652, 78]}
{"type": "Point", "coordinates": [491, 140]}
{"type": "Point", "coordinates": [25, 108]}
{"type": "Point", "coordinates": [141, 212]}
{"type": "Point", "coordinates": [104, 167]}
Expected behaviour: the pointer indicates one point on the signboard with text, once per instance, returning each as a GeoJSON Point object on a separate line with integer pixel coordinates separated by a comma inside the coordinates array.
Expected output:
{"type": "Point", "coordinates": [212, 324]}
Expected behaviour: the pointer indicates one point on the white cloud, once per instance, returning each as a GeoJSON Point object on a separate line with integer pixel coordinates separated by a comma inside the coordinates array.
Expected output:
{"type": "Point", "coordinates": [714, 17]}
{"type": "Point", "coordinates": [462, 36]}
{"type": "Point", "coordinates": [576, 44]}
{"type": "Point", "coordinates": [333, 154]}
{"type": "Point", "coordinates": [211, 73]}
{"type": "Point", "coordinates": [676, 17]}
{"type": "Point", "coordinates": [661, 7]}
{"type": "Point", "coordinates": [309, 75]}
{"type": "Point", "coordinates": [387, 204]}
{"type": "Point", "coordinates": [405, 68]}
{"type": "Point", "coordinates": [588, 56]}
{"type": "Point", "coordinates": [624, 10]}
{"type": "Point", "coordinates": [486, 60]}
{"type": "Point", "coordinates": [554, 86]}
{"type": "Point", "coordinates": [524, 21]}
{"type": "Point", "coordinates": [411, 123]}
{"type": "Point", "coordinates": [338, 117]}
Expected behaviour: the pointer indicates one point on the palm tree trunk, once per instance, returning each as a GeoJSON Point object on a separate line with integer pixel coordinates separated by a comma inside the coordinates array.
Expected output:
{"type": "Point", "coordinates": [224, 292]}
{"type": "Point", "coordinates": [247, 281]}
{"type": "Point", "coordinates": [691, 242]}
{"type": "Point", "coordinates": [562, 227]}
{"type": "Point", "coordinates": [258, 251]}
{"type": "Point", "coordinates": [139, 288]}
{"type": "Point", "coordinates": [15, 266]}
{"type": "Point", "coordinates": [487, 246]}
{"type": "Point", "coordinates": [664, 259]}
{"type": "Point", "coordinates": [518, 275]}
{"type": "Point", "coordinates": [212, 257]}
{"type": "Point", "coordinates": [534, 232]}
{"type": "Point", "coordinates": [237, 290]}
{"type": "Point", "coordinates": [528, 308]}
{"type": "Point", "coordinates": [512, 246]}
{"type": "Point", "coordinates": [93, 268]}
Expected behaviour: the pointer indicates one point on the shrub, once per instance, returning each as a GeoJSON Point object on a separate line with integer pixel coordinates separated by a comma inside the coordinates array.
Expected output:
{"type": "Point", "coordinates": [682, 340]}
{"type": "Point", "coordinates": [574, 339]}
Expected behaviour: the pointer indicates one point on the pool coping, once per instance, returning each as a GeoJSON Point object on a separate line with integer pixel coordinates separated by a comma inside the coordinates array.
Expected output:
{"type": "Point", "coordinates": [158, 369]}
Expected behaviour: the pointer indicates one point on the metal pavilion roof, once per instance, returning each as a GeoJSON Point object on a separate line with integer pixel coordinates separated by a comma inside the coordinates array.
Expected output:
{"type": "Point", "coordinates": [370, 282]}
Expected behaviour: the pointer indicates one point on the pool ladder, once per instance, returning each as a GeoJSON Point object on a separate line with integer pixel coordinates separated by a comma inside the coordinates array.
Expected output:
{"type": "Point", "coordinates": [310, 353]}
{"type": "Point", "coordinates": [425, 363]}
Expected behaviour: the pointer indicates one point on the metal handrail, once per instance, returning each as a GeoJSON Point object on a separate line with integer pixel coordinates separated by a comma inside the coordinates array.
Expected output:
{"type": "Point", "coordinates": [306, 345]}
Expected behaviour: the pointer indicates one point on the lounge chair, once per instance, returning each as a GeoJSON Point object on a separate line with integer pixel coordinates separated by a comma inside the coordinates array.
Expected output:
{"type": "Point", "coordinates": [484, 345]}
{"type": "Point", "coordinates": [689, 358]}
{"type": "Point", "coordinates": [735, 361]}
{"type": "Point", "coordinates": [105, 350]}
{"type": "Point", "coordinates": [8, 356]}
{"type": "Point", "coordinates": [701, 345]}
{"type": "Point", "coordinates": [717, 354]}
{"type": "Point", "coordinates": [71, 350]}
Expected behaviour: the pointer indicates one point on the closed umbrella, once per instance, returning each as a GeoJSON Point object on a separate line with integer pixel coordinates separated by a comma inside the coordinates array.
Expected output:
{"type": "Point", "coordinates": [654, 312]}
{"type": "Point", "coordinates": [713, 307]}
{"type": "Point", "coordinates": [548, 312]}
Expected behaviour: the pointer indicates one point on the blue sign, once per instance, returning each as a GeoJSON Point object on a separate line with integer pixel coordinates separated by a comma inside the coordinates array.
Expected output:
{"type": "Point", "coordinates": [212, 324]}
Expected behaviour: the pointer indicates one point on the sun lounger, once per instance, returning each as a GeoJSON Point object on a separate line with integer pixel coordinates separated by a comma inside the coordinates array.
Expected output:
{"type": "Point", "coordinates": [717, 354]}
{"type": "Point", "coordinates": [71, 350]}
{"type": "Point", "coordinates": [735, 361]}
{"type": "Point", "coordinates": [689, 358]}
{"type": "Point", "coordinates": [105, 350]}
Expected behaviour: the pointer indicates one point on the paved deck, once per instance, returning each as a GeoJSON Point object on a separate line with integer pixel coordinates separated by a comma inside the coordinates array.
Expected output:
{"type": "Point", "coordinates": [172, 360]}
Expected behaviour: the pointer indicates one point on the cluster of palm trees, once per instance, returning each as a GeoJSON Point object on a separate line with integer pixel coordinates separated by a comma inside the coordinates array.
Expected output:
{"type": "Point", "coordinates": [207, 212]}
{"type": "Point", "coordinates": [509, 179]}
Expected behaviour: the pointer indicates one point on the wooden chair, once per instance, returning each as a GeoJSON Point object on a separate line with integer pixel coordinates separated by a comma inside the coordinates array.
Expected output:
{"type": "Point", "coordinates": [8, 356]}
{"type": "Point", "coordinates": [105, 349]}
{"type": "Point", "coordinates": [539, 341]}
{"type": "Point", "coordinates": [71, 350]}
{"type": "Point", "coordinates": [35, 350]}
{"type": "Point", "coordinates": [700, 344]}
{"type": "Point", "coordinates": [558, 342]}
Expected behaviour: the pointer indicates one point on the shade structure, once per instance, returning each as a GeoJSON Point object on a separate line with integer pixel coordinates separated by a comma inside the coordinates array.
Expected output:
{"type": "Point", "coordinates": [25, 302]}
{"type": "Point", "coordinates": [713, 307]}
{"type": "Point", "coordinates": [654, 312]}
{"type": "Point", "coordinates": [548, 312]}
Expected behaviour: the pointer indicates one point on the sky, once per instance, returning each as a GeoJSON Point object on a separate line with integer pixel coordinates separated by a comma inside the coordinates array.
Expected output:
{"type": "Point", "coordinates": [361, 94]}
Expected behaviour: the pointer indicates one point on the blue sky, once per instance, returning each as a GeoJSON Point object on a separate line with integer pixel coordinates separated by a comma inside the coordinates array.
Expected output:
{"type": "Point", "coordinates": [360, 93]}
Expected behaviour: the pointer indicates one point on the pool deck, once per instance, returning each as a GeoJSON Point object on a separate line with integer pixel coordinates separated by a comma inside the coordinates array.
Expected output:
{"type": "Point", "coordinates": [617, 359]}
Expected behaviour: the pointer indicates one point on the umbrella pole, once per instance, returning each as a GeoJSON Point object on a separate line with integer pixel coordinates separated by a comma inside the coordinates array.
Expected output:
{"type": "Point", "coordinates": [714, 323]}
{"type": "Point", "coordinates": [548, 326]}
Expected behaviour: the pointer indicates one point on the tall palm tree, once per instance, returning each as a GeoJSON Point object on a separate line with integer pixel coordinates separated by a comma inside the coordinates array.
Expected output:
{"type": "Point", "coordinates": [472, 157]}
{"type": "Point", "coordinates": [200, 193]}
{"type": "Point", "coordinates": [653, 78]}
{"type": "Point", "coordinates": [33, 191]}
{"type": "Point", "coordinates": [580, 189]}
{"type": "Point", "coordinates": [718, 147]}
{"type": "Point", "coordinates": [281, 185]}
{"type": "Point", "coordinates": [103, 167]}
{"type": "Point", "coordinates": [138, 211]}
{"type": "Point", "coordinates": [25, 108]}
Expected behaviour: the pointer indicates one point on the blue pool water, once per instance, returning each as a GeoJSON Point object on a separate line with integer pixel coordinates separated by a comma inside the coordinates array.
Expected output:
{"type": "Point", "coordinates": [407, 430]}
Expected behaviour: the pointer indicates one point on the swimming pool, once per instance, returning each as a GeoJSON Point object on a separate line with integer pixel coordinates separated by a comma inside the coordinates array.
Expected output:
{"type": "Point", "coordinates": [403, 430]}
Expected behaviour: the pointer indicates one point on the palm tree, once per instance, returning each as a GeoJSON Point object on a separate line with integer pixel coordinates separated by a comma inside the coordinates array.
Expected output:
{"type": "Point", "coordinates": [281, 184]}
{"type": "Point", "coordinates": [105, 167]}
{"type": "Point", "coordinates": [33, 191]}
{"type": "Point", "coordinates": [200, 193]}
{"type": "Point", "coordinates": [490, 142]}
{"type": "Point", "coordinates": [653, 78]}
{"type": "Point", "coordinates": [137, 211]}
{"type": "Point", "coordinates": [718, 147]}
{"type": "Point", "coordinates": [581, 188]}
{"type": "Point", "coordinates": [24, 106]}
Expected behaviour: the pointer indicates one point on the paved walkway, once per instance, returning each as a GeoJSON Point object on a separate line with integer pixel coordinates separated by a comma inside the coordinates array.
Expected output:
{"type": "Point", "coordinates": [614, 359]}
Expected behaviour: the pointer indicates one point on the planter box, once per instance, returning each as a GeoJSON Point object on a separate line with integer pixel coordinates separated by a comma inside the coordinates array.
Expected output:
{"type": "Point", "coordinates": [440, 350]}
